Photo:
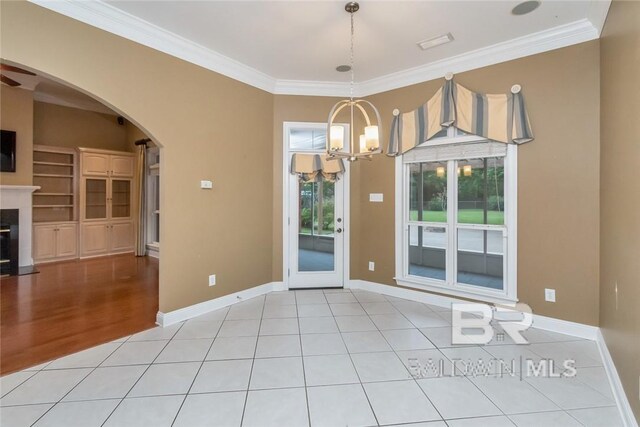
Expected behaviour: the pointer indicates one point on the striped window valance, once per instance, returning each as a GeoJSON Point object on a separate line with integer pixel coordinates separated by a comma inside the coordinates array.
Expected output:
{"type": "Point", "coordinates": [316, 167]}
{"type": "Point", "coordinates": [501, 118]}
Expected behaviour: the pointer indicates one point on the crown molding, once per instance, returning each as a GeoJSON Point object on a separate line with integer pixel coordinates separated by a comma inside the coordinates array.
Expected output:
{"type": "Point", "coordinates": [108, 18]}
{"type": "Point", "coordinates": [597, 13]}
{"type": "Point", "coordinates": [116, 21]}
{"type": "Point", "coordinates": [87, 106]}
{"type": "Point", "coordinates": [312, 88]}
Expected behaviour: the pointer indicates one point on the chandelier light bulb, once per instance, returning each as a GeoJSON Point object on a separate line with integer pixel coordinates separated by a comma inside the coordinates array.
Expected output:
{"type": "Point", "coordinates": [440, 171]}
{"type": "Point", "coordinates": [336, 138]}
{"type": "Point", "coordinates": [363, 143]}
{"type": "Point", "coordinates": [372, 137]}
{"type": "Point", "coordinates": [466, 170]}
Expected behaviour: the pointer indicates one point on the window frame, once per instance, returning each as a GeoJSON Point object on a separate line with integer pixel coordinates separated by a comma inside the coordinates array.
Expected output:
{"type": "Point", "coordinates": [153, 196]}
{"type": "Point", "coordinates": [508, 295]}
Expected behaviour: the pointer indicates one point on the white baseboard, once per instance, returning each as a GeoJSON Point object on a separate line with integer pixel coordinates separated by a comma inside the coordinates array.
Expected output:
{"type": "Point", "coordinates": [620, 396]}
{"type": "Point", "coordinates": [541, 322]}
{"type": "Point", "coordinates": [186, 313]}
{"type": "Point", "coordinates": [579, 330]}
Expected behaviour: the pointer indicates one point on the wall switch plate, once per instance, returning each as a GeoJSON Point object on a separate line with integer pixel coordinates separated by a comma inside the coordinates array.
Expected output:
{"type": "Point", "coordinates": [212, 280]}
{"type": "Point", "coordinates": [550, 295]}
{"type": "Point", "coordinates": [376, 197]}
{"type": "Point", "coordinates": [372, 266]}
{"type": "Point", "coordinates": [206, 185]}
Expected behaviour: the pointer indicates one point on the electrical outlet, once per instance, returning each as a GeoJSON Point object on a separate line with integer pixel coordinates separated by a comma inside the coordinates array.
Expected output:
{"type": "Point", "coordinates": [372, 266]}
{"type": "Point", "coordinates": [207, 185]}
{"type": "Point", "coordinates": [212, 280]}
{"type": "Point", "coordinates": [550, 295]}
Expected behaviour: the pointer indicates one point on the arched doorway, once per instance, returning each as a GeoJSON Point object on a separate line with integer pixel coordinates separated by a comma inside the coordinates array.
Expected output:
{"type": "Point", "coordinates": [81, 297]}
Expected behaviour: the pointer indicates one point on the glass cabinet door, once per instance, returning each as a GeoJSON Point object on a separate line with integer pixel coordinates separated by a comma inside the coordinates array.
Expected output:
{"type": "Point", "coordinates": [96, 200]}
{"type": "Point", "coordinates": [120, 198]}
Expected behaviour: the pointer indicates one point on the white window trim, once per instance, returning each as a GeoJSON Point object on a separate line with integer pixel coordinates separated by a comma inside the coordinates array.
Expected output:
{"type": "Point", "coordinates": [506, 296]}
{"type": "Point", "coordinates": [152, 214]}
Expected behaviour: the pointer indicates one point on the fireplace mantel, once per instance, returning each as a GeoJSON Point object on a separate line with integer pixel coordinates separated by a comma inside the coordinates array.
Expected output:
{"type": "Point", "coordinates": [19, 197]}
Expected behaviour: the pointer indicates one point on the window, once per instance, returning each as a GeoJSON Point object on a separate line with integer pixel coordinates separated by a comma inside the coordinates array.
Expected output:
{"type": "Point", "coordinates": [456, 205]}
{"type": "Point", "coordinates": [153, 200]}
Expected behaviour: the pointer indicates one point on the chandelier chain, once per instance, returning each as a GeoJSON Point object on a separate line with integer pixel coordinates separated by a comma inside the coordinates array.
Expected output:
{"type": "Point", "coordinates": [351, 57]}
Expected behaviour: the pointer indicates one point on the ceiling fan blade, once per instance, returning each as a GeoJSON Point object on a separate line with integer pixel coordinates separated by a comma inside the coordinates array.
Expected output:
{"type": "Point", "coordinates": [8, 81]}
{"type": "Point", "coordinates": [15, 69]}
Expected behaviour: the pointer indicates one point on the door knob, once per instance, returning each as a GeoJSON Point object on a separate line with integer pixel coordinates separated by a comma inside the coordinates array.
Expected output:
{"type": "Point", "coordinates": [339, 230]}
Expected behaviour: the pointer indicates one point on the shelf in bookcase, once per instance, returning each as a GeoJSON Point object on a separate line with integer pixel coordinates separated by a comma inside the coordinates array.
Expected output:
{"type": "Point", "coordinates": [53, 206]}
{"type": "Point", "coordinates": [70, 165]}
{"type": "Point", "coordinates": [51, 175]}
{"type": "Point", "coordinates": [54, 194]}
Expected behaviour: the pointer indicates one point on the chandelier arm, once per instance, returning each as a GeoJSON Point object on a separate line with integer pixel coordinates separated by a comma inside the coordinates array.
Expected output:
{"type": "Point", "coordinates": [336, 109]}
{"type": "Point", "coordinates": [332, 115]}
{"type": "Point", "coordinates": [364, 112]}
{"type": "Point", "coordinates": [379, 123]}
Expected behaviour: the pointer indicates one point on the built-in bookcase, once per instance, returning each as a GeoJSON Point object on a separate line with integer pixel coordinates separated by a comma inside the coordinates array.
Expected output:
{"type": "Point", "coordinates": [55, 172]}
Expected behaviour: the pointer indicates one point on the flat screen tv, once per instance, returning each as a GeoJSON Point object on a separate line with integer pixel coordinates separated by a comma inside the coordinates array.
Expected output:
{"type": "Point", "coordinates": [8, 148]}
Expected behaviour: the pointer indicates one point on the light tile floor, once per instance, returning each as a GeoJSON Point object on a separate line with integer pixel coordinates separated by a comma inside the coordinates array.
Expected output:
{"type": "Point", "coordinates": [312, 358]}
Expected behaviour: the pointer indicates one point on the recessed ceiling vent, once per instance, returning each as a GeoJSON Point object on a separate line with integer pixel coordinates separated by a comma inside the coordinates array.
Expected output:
{"type": "Point", "coordinates": [343, 68]}
{"type": "Point", "coordinates": [525, 7]}
{"type": "Point", "coordinates": [436, 41]}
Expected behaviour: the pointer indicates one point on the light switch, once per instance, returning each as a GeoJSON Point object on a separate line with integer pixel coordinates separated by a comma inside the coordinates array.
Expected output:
{"type": "Point", "coordinates": [375, 197]}
{"type": "Point", "coordinates": [206, 184]}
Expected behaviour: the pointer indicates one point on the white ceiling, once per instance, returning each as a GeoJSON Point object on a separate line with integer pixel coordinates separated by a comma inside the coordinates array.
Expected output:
{"type": "Point", "coordinates": [294, 46]}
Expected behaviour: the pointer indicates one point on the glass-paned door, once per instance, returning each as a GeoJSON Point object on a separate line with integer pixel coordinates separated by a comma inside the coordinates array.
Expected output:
{"type": "Point", "coordinates": [120, 198]}
{"type": "Point", "coordinates": [316, 233]}
{"type": "Point", "coordinates": [316, 226]}
{"type": "Point", "coordinates": [96, 198]}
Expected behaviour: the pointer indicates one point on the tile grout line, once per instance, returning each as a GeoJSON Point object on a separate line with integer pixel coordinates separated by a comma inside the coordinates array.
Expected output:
{"type": "Point", "coordinates": [453, 369]}
{"type": "Point", "coordinates": [145, 371]}
{"type": "Point", "coordinates": [304, 374]}
{"type": "Point", "coordinates": [375, 417]}
{"type": "Point", "coordinates": [79, 382]}
{"type": "Point", "coordinates": [253, 361]}
{"type": "Point", "coordinates": [403, 365]}
{"type": "Point", "coordinates": [175, 418]}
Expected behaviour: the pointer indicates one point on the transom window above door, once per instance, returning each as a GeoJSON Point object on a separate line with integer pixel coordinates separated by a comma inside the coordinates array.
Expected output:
{"type": "Point", "coordinates": [456, 208]}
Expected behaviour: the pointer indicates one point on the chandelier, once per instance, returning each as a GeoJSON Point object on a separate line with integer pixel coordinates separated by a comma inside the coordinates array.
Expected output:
{"type": "Point", "coordinates": [369, 141]}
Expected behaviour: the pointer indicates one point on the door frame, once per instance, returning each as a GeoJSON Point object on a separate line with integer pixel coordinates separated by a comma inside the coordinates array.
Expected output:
{"type": "Point", "coordinates": [346, 177]}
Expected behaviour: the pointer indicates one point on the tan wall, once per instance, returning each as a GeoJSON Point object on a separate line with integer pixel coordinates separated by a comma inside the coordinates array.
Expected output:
{"type": "Point", "coordinates": [16, 114]}
{"type": "Point", "coordinates": [210, 127]}
{"type": "Point", "coordinates": [558, 178]}
{"type": "Point", "coordinates": [620, 193]}
{"type": "Point", "coordinates": [71, 127]}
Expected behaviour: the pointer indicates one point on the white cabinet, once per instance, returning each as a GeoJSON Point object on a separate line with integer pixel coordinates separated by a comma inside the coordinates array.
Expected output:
{"type": "Point", "coordinates": [106, 202]}
{"type": "Point", "coordinates": [122, 236]}
{"type": "Point", "coordinates": [54, 242]}
{"type": "Point", "coordinates": [106, 163]}
{"type": "Point", "coordinates": [106, 237]}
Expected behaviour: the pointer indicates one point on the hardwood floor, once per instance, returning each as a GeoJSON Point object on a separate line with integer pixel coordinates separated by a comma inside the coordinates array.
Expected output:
{"type": "Point", "coordinates": [73, 305]}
